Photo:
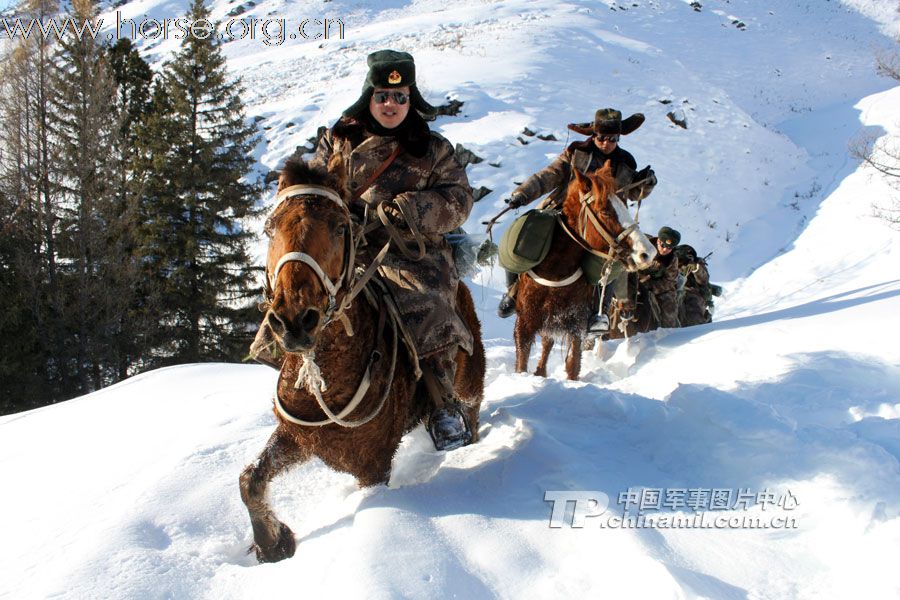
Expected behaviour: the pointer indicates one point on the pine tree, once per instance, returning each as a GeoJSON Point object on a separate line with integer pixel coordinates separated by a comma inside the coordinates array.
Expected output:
{"type": "Point", "coordinates": [87, 134]}
{"type": "Point", "coordinates": [196, 192]}
{"type": "Point", "coordinates": [30, 330]}
{"type": "Point", "coordinates": [133, 78]}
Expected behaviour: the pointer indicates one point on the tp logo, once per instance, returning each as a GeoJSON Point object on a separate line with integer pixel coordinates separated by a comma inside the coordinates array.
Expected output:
{"type": "Point", "coordinates": [587, 504]}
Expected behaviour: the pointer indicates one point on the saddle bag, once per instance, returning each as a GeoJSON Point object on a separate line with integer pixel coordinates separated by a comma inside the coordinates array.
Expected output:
{"type": "Point", "coordinates": [526, 242]}
{"type": "Point", "coordinates": [593, 267]}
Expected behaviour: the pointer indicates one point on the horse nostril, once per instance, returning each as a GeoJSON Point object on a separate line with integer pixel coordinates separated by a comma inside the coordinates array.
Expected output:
{"type": "Point", "coordinates": [309, 319]}
{"type": "Point", "coordinates": [644, 257]}
{"type": "Point", "coordinates": [276, 323]}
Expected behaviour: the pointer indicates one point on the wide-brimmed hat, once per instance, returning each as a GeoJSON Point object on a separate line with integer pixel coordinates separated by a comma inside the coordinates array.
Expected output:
{"type": "Point", "coordinates": [608, 121]}
{"type": "Point", "coordinates": [390, 69]}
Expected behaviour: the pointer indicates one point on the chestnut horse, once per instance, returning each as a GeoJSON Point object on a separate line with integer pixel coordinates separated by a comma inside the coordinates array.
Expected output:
{"type": "Point", "coordinates": [347, 391]}
{"type": "Point", "coordinates": [554, 299]}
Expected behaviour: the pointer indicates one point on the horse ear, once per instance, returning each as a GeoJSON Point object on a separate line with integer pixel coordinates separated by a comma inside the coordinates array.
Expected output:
{"type": "Point", "coordinates": [337, 171]}
{"type": "Point", "coordinates": [604, 179]}
{"type": "Point", "coordinates": [607, 168]}
{"type": "Point", "coordinates": [584, 184]}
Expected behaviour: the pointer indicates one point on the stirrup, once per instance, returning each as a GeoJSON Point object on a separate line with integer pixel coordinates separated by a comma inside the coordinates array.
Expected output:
{"type": "Point", "coordinates": [598, 324]}
{"type": "Point", "coordinates": [443, 427]}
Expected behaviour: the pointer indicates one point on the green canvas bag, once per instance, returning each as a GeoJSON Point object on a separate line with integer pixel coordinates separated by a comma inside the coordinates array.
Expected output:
{"type": "Point", "coordinates": [526, 242]}
{"type": "Point", "coordinates": [593, 266]}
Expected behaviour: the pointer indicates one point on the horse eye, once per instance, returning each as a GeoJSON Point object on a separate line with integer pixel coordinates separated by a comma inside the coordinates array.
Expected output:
{"type": "Point", "coordinates": [341, 230]}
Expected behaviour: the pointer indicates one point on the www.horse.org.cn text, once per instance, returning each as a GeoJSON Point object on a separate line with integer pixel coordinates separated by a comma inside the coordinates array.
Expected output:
{"type": "Point", "coordinates": [270, 31]}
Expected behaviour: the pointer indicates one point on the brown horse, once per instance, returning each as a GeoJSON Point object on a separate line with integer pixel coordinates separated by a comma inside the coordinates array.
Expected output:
{"type": "Point", "coordinates": [553, 299]}
{"type": "Point", "coordinates": [347, 391]}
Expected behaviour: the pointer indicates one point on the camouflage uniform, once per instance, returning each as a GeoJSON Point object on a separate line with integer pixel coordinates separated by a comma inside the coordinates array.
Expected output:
{"type": "Point", "coordinates": [696, 295]}
{"type": "Point", "coordinates": [438, 192]}
{"type": "Point", "coordinates": [661, 281]}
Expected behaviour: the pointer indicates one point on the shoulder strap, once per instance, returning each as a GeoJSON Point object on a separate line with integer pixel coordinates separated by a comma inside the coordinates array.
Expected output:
{"type": "Point", "coordinates": [381, 168]}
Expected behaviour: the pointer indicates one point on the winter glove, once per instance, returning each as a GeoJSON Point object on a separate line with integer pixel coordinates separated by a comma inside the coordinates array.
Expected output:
{"type": "Point", "coordinates": [394, 215]}
{"type": "Point", "coordinates": [649, 181]}
{"type": "Point", "coordinates": [517, 201]}
{"type": "Point", "coordinates": [648, 174]}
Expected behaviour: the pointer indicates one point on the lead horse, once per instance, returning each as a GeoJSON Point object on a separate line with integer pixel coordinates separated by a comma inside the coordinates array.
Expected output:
{"type": "Point", "coordinates": [554, 298]}
{"type": "Point", "coordinates": [347, 390]}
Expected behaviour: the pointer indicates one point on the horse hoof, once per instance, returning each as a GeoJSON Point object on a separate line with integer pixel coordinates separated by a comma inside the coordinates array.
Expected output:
{"type": "Point", "coordinates": [283, 548]}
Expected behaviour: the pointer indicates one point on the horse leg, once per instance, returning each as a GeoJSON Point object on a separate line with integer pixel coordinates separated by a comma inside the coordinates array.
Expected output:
{"type": "Point", "coordinates": [546, 347]}
{"type": "Point", "coordinates": [524, 338]}
{"type": "Point", "coordinates": [573, 360]}
{"type": "Point", "coordinates": [272, 539]}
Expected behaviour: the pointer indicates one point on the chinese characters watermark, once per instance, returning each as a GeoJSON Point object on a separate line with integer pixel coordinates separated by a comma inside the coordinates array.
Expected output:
{"type": "Point", "coordinates": [644, 508]}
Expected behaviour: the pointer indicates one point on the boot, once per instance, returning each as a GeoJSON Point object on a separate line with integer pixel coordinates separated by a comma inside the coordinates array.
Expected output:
{"type": "Point", "coordinates": [507, 306]}
{"type": "Point", "coordinates": [508, 302]}
{"type": "Point", "coordinates": [447, 425]}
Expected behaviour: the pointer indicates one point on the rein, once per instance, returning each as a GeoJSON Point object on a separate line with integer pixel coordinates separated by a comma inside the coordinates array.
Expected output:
{"type": "Point", "coordinates": [316, 388]}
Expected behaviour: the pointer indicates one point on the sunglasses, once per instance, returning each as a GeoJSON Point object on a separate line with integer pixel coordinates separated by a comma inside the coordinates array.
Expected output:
{"type": "Point", "coordinates": [397, 97]}
{"type": "Point", "coordinates": [608, 138]}
{"type": "Point", "coordinates": [667, 243]}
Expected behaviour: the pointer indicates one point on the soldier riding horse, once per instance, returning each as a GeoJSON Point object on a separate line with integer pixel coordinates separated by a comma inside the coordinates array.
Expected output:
{"type": "Point", "coordinates": [554, 298]}
{"type": "Point", "coordinates": [347, 388]}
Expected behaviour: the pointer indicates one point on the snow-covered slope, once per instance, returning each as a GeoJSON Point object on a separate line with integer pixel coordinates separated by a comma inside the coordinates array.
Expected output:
{"type": "Point", "coordinates": [795, 388]}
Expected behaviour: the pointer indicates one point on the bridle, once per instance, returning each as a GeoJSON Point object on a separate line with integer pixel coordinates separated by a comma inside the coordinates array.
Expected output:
{"type": "Point", "coordinates": [349, 277]}
{"type": "Point", "coordinates": [355, 282]}
{"type": "Point", "coordinates": [331, 288]}
{"type": "Point", "coordinates": [616, 248]}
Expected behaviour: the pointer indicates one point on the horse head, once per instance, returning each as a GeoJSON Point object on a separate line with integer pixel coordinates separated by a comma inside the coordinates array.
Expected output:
{"type": "Point", "coordinates": [308, 261]}
{"type": "Point", "coordinates": [602, 220]}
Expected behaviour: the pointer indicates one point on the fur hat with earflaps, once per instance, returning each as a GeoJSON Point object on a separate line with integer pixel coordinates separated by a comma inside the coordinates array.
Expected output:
{"type": "Point", "coordinates": [390, 69]}
{"type": "Point", "coordinates": [669, 237]}
{"type": "Point", "coordinates": [608, 121]}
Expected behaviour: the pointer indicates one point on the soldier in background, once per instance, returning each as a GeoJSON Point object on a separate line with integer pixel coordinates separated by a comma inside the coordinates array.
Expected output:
{"type": "Point", "coordinates": [695, 306]}
{"type": "Point", "coordinates": [586, 156]}
{"type": "Point", "coordinates": [661, 279]}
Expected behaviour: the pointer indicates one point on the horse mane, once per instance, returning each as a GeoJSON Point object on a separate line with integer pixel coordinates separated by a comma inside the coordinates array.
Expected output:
{"type": "Point", "coordinates": [297, 171]}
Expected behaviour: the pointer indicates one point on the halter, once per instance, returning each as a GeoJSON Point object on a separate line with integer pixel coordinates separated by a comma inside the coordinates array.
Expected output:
{"type": "Point", "coordinates": [615, 243]}
{"type": "Point", "coordinates": [334, 309]}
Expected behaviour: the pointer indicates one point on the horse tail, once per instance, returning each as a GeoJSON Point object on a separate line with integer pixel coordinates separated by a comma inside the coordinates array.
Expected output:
{"type": "Point", "coordinates": [471, 368]}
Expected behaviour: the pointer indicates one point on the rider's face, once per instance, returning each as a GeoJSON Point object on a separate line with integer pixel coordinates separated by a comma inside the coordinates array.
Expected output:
{"type": "Point", "coordinates": [389, 113]}
{"type": "Point", "coordinates": [662, 247]}
{"type": "Point", "coordinates": [606, 143]}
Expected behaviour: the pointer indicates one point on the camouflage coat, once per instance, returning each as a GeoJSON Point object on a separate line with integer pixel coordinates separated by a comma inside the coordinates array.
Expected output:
{"type": "Point", "coordinates": [661, 281]}
{"type": "Point", "coordinates": [696, 297]}
{"type": "Point", "coordinates": [438, 192]}
{"type": "Point", "coordinates": [584, 156]}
